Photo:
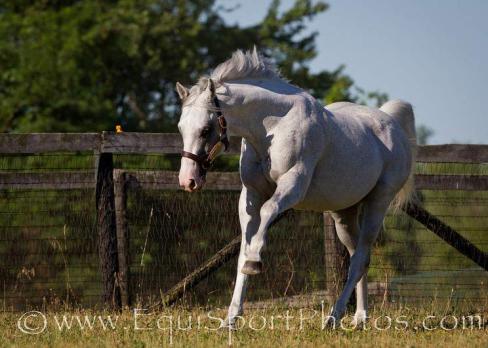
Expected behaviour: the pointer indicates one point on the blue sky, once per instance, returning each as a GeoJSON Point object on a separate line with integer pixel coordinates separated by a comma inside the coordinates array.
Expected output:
{"type": "Point", "coordinates": [431, 53]}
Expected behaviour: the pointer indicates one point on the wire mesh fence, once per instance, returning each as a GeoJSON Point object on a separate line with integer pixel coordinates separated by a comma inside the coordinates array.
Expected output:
{"type": "Point", "coordinates": [48, 252]}
{"type": "Point", "coordinates": [414, 264]}
{"type": "Point", "coordinates": [172, 234]}
{"type": "Point", "coordinates": [49, 242]}
{"type": "Point", "coordinates": [409, 263]}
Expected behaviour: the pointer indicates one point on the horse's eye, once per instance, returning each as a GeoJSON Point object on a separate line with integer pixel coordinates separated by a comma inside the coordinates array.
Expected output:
{"type": "Point", "coordinates": [205, 132]}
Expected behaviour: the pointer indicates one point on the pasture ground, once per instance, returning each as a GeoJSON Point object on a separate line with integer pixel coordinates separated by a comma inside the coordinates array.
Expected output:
{"type": "Point", "coordinates": [432, 326]}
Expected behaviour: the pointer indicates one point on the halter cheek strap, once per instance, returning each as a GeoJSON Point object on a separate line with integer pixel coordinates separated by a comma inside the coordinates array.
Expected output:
{"type": "Point", "coordinates": [205, 161]}
{"type": "Point", "coordinates": [222, 124]}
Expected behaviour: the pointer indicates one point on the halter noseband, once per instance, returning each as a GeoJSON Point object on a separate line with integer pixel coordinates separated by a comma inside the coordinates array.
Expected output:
{"type": "Point", "coordinates": [205, 160]}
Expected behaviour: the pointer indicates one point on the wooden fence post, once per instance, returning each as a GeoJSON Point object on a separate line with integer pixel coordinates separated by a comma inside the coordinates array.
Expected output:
{"type": "Point", "coordinates": [336, 259]}
{"type": "Point", "coordinates": [120, 191]}
{"type": "Point", "coordinates": [107, 234]}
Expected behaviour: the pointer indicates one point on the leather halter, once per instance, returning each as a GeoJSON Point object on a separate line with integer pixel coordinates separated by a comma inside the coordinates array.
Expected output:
{"type": "Point", "coordinates": [205, 160]}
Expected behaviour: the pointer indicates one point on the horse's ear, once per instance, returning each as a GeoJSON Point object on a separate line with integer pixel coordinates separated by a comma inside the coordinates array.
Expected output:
{"type": "Point", "coordinates": [255, 52]}
{"type": "Point", "coordinates": [211, 87]}
{"type": "Point", "coordinates": [183, 92]}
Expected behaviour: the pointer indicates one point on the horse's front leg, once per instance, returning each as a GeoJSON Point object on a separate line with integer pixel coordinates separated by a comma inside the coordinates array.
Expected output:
{"type": "Point", "coordinates": [250, 203]}
{"type": "Point", "coordinates": [291, 187]}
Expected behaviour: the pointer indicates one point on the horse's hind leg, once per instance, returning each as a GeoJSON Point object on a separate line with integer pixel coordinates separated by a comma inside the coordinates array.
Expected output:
{"type": "Point", "coordinates": [374, 209]}
{"type": "Point", "coordinates": [347, 227]}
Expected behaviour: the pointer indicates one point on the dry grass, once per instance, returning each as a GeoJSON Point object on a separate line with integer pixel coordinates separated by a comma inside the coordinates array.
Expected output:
{"type": "Point", "coordinates": [409, 328]}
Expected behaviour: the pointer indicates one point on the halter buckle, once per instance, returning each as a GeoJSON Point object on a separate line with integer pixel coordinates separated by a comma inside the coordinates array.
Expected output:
{"type": "Point", "coordinates": [222, 122]}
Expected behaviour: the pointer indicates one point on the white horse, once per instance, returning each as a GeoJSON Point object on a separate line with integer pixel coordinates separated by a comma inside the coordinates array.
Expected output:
{"type": "Point", "coordinates": [297, 154]}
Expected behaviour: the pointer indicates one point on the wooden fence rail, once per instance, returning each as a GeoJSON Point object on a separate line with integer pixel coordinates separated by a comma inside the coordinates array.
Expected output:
{"type": "Point", "coordinates": [168, 180]}
{"type": "Point", "coordinates": [111, 185]}
{"type": "Point", "coordinates": [169, 143]}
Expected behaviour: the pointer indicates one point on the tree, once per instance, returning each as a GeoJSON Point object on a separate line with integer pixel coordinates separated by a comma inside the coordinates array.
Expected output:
{"type": "Point", "coordinates": [423, 134]}
{"type": "Point", "coordinates": [72, 65]}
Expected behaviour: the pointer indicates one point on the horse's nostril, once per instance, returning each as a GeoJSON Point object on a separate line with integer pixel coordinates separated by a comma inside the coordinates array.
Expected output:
{"type": "Point", "coordinates": [192, 184]}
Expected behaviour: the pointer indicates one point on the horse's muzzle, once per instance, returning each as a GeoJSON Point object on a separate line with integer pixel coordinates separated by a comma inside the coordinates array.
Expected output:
{"type": "Point", "coordinates": [192, 185]}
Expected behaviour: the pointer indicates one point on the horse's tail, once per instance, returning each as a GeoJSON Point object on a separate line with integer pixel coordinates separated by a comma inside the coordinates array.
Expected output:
{"type": "Point", "coordinates": [403, 113]}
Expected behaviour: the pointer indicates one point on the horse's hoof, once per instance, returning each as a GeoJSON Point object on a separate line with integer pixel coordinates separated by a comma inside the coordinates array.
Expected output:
{"type": "Point", "coordinates": [229, 324]}
{"type": "Point", "coordinates": [252, 267]}
{"type": "Point", "coordinates": [359, 319]}
{"type": "Point", "coordinates": [330, 323]}
{"type": "Point", "coordinates": [333, 319]}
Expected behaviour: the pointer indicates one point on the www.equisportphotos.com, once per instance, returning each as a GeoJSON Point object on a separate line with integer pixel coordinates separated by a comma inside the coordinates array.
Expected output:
{"type": "Point", "coordinates": [299, 320]}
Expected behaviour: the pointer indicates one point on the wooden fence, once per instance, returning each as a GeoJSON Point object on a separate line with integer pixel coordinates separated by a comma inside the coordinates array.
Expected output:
{"type": "Point", "coordinates": [111, 185]}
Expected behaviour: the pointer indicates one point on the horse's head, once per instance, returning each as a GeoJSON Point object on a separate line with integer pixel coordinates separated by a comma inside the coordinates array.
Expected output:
{"type": "Point", "coordinates": [204, 133]}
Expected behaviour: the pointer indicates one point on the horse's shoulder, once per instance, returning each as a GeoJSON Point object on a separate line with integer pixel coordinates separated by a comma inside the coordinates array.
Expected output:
{"type": "Point", "coordinates": [251, 169]}
{"type": "Point", "coordinates": [249, 161]}
{"type": "Point", "coordinates": [303, 102]}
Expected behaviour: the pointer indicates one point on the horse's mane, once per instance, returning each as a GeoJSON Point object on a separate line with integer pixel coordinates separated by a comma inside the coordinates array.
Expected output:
{"type": "Point", "coordinates": [241, 65]}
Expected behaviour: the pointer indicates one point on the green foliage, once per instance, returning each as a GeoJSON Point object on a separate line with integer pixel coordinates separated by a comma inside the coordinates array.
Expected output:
{"type": "Point", "coordinates": [424, 133]}
{"type": "Point", "coordinates": [375, 98]}
{"type": "Point", "coordinates": [84, 65]}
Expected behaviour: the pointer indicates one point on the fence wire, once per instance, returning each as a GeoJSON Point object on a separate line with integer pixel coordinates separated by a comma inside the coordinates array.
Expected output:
{"type": "Point", "coordinates": [173, 232]}
{"type": "Point", "coordinates": [49, 248]}
{"type": "Point", "coordinates": [48, 238]}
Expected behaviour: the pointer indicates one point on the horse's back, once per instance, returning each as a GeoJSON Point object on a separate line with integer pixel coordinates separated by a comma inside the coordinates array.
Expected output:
{"type": "Point", "coordinates": [387, 128]}
{"type": "Point", "coordinates": [364, 142]}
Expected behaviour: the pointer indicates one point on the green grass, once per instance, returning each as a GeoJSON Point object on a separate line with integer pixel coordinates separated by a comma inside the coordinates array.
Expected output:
{"type": "Point", "coordinates": [259, 328]}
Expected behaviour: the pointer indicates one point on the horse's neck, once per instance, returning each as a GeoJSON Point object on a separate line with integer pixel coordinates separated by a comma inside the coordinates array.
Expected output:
{"type": "Point", "coordinates": [251, 111]}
